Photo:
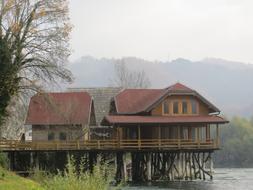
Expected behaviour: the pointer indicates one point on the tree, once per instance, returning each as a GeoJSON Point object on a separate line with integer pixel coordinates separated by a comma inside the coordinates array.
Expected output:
{"type": "Point", "coordinates": [129, 79]}
{"type": "Point", "coordinates": [34, 46]}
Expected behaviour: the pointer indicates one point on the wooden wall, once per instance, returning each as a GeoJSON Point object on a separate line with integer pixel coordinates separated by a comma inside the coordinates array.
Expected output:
{"type": "Point", "coordinates": [202, 109]}
{"type": "Point", "coordinates": [40, 132]}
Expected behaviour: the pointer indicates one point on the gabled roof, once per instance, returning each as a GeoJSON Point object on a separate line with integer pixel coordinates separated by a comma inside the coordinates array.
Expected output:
{"type": "Point", "coordinates": [178, 87]}
{"type": "Point", "coordinates": [101, 97]}
{"type": "Point", "coordinates": [134, 101]}
{"type": "Point", "coordinates": [131, 101]}
{"type": "Point", "coordinates": [136, 119]}
{"type": "Point", "coordinates": [59, 108]}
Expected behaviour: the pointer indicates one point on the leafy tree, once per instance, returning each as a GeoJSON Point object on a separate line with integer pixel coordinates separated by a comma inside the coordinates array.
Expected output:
{"type": "Point", "coordinates": [237, 143]}
{"type": "Point", "coordinates": [34, 46]}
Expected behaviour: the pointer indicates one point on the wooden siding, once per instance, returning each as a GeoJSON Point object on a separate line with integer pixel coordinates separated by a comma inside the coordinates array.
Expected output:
{"type": "Point", "coordinates": [202, 109]}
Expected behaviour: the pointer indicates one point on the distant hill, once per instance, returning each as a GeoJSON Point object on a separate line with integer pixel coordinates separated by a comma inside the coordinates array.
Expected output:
{"type": "Point", "coordinates": [227, 84]}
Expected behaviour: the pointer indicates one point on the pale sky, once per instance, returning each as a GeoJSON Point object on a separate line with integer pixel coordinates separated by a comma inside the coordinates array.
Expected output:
{"type": "Point", "coordinates": [163, 29]}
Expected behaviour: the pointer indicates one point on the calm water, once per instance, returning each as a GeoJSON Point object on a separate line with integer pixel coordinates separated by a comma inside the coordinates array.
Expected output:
{"type": "Point", "coordinates": [224, 179]}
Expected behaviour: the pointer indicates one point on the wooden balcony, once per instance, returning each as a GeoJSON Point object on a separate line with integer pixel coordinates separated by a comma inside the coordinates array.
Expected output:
{"type": "Point", "coordinates": [111, 145]}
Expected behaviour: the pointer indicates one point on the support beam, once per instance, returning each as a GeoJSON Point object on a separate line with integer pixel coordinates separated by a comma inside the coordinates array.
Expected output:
{"type": "Point", "coordinates": [139, 136]}
{"type": "Point", "coordinates": [125, 177]}
{"type": "Point", "coordinates": [118, 136]}
{"type": "Point", "coordinates": [159, 135]}
{"type": "Point", "coordinates": [120, 167]}
{"type": "Point", "coordinates": [178, 136]}
{"type": "Point", "coordinates": [217, 136]}
{"type": "Point", "coordinates": [11, 159]}
{"type": "Point", "coordinates": [149, 174]}
{"type": "Point", "coordinates": [198, 137]}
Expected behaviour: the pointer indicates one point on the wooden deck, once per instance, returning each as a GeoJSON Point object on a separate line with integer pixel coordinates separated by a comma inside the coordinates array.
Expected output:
{"type": "Point", "coordinates": [113, 145]}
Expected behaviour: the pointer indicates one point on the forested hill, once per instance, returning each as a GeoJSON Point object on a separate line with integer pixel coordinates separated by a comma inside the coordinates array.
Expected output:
{"type": "Point", "coordinates": [225, 83]}
{"type": "Point", "coordinates": [237, 143]}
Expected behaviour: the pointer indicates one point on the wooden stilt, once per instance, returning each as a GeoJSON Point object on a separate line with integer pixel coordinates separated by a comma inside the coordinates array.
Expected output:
{"type": "Point", "coordinates": [11, 156]}
{"type": "Point", "coordinates": [120, 167]}
{"type": "Point", "coordinates": [149, 173]}
{"type": "Point", "coordinates": [92, 160]}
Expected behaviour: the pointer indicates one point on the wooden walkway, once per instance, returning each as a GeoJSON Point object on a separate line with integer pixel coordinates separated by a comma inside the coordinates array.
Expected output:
{"type": "Point", "coordinates": [111, 145]}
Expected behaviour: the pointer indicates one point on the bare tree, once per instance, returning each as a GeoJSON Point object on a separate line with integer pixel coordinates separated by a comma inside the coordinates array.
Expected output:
{"type": "Point", "coordinates": [127, 78]}
{"type": "Point", "coordinates": [34, 46]}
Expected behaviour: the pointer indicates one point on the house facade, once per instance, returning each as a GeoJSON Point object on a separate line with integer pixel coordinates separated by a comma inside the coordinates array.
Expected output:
{"type": "Point", "coordinates": [61, 116]}
{"type": "Point", "coordinates": [173, 117]}
{"type": "Point", "coordinates": [160, 117]}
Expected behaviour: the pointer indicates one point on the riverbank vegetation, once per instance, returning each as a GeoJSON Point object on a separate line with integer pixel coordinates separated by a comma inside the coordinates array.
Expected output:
{"type": "Point", "coordinates": [237, 144]}
{"type": "Point", "coordinates": [73, 177]}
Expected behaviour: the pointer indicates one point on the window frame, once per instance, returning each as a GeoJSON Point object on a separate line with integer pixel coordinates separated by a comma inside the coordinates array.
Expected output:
{"type": "Point", "coordinates": [178, 107]}
{"type": "Point", "coordinates": [187, 107]}
{"type": "Point", "coordinates": [197, 107]}
{"type": "Point", "coordinates": [168, 107]}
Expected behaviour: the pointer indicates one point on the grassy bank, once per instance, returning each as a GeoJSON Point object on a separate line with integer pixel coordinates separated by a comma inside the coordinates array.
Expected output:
{"type": "Point", "coordinates": [11, 181]}
{"type": "Point", "coordinates": [72, 178]}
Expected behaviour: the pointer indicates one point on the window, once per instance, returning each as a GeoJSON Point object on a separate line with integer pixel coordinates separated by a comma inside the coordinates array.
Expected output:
{"type": "Point", "coordinates": [63, 136]}
{"type": "Point", "coordinates": [175, 108]}
{"type": "Point", "coordinates": [184, 107]}
{"type": "Point", "coordinates": [194, 106]}
{"type": "Point", "coordinates": [193, 133]}
{"type": "Point", "coordinates": [50, 136]}
{"type": "Point", "coordinates": [166, 107]}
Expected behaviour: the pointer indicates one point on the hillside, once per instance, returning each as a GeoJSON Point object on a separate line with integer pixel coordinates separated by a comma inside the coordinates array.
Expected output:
{"type": "Point", "coordinates": [226, 83]}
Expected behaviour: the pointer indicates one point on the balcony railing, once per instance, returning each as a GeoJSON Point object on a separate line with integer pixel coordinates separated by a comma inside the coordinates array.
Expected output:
{"type": "Point", "coordinates": [143, 144]}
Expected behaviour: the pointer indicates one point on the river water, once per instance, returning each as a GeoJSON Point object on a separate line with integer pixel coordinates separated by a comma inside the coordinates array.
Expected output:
{"type": "Point", "coordinates": [224, 179]}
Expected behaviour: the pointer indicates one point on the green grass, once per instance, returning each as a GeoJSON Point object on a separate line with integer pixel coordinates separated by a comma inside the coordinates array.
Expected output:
{"type": "Point", "coordinates": [11, 181]}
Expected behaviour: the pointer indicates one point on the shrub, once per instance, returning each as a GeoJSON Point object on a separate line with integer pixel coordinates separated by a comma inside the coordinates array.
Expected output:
{"type": "Point", "coordinates": [76, 178]}
{"type": "Point", "coordinates": [3, 160]}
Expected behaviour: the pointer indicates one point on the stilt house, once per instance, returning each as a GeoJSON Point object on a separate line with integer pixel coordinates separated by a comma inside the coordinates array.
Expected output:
{"type": "Point", "coordinates": [176, 117]}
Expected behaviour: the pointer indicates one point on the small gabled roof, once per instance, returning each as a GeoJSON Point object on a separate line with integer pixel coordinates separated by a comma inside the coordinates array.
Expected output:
{"type": "Point", "coordinates": [102, 97]}
{"type": "Point", "coordinates": [59, 109]}
{"type": "Point", "coordinates": [134, 101]}
{"type": "Point", "coordinates": [178, 87]}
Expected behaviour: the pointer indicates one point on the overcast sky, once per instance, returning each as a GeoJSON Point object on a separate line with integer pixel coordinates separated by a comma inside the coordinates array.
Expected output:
{"type": "Point", "coordinates": [163, 29]}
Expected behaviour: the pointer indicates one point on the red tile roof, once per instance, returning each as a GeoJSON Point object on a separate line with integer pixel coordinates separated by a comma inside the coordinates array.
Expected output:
{"type": "Point", "coordinates": [178, 86]}
{"type": "Point", "coordinates": [59, 108]}
{"type": "Point", "coordinates": [119, 119]}
{"type": "Point", "coordinates": [136, 100]}
{"type": "Point", "coordinates": [133, 101]}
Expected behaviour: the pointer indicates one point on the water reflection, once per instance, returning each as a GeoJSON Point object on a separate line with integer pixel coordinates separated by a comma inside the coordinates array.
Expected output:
{"type": "Point", "coordinates": [224, 179]}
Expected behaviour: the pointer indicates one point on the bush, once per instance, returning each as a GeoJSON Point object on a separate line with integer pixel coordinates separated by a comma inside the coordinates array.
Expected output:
{"type": "Point", "coordinates": [3, 160]}
{"type": "Point", "coordinates": [75, 178]}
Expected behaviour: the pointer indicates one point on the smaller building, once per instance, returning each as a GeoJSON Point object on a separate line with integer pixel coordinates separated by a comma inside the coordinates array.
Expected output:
{"type": "Point", "coordinates": [61, 116]}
